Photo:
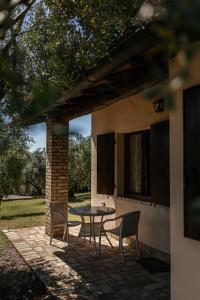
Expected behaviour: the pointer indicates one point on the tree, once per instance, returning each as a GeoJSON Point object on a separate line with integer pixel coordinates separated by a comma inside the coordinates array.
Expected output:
{"type": "Point", "coordinates": [79, 164]}
{"type": "Point", "coordinates": [34, 173]}
{"type": "Point", "coordinates": [47, 51]}
{"type": "Point", "coordinates": [49, 45]}
{"type": "Point", "coordinates": [14, 144]}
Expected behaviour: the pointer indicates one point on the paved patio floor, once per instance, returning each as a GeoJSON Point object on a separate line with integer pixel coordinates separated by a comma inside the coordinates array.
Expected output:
{"type": "Point", "coordinates": [80, 274]}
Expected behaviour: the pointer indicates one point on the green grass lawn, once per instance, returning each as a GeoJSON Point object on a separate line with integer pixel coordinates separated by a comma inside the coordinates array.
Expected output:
{"type": "Point", "coordinates": [27, 213]}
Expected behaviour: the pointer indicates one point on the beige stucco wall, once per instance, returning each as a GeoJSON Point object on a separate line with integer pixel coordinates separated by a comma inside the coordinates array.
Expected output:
{"type": "Point", "coordinates": [159, 228]}
{"type": "Point", "coordinates": [185, 252]}
{"type": "Point", "coordinates": [132, 114]}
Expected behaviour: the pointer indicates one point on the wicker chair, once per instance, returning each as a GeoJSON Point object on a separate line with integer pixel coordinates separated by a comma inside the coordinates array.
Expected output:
{"type": "Point", "coordinates": [58, 219]}
{"type": "Point", "coordinates": [128, 227]}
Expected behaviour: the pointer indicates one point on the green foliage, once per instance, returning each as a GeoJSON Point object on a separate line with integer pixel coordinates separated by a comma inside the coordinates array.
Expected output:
{"type": "Point", "coordinates": [49, 45]}
{"type": "Point", "coordinates": [68, 37]}
{"type": "Point", "coordinates": [79, 164]}
{"type": "Point", "coordinates": [34, 173]}
{"type": "Point", "coordinates": [13, 156]}
{"type": "Point", "coordinates": [176, 34]}
{"type": "Point", "coordinates": [47, 51]}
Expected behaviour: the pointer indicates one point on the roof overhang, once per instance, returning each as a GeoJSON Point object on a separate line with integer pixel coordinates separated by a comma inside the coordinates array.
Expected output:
{"type": "Point", "coordinates": [126, 72]}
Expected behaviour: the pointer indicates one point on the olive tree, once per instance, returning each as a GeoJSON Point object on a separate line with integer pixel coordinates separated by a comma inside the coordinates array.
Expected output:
{"type": "Point", "coordinates": [34, 173]}
{"type": "Point", "coordinates": [79, 164]}
{"type": "Point", "coordinates": [14, 144]}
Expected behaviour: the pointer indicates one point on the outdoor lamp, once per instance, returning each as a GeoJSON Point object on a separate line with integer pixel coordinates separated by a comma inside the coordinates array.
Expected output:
{"type": "Point", "coordinates": [159, 105]}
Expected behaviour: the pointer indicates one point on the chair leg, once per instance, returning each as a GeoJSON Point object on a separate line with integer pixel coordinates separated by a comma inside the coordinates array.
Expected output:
{"type": "Point", "coordinates": [64, 233]}
{"type": "Point", "coordinates": [137, 246]}
{"type": "Point", "coordinates": [78, 236]}
{"type": "Point", "coordinates": [51, 236]}
{"type": "Point", "coordinates": [68, 238]}
{"type": "Point", "coordinates": [121, 249]}
{"type": "Point", "coordinates": [108, 239]}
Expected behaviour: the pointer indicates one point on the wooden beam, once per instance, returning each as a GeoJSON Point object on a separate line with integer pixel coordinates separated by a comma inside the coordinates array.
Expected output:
{"type": "Point", "coordinates": [138, 43]}
{"type": "Point", "coordinates": [94, 105]}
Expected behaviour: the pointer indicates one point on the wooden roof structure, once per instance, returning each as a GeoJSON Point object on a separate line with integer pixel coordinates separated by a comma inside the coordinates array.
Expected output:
{"type": "Point", "coordinates": [127, 72]}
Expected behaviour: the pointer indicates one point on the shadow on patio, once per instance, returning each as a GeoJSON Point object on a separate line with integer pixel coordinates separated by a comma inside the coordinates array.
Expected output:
{"type": "Point", "coordinates": [79, 274]}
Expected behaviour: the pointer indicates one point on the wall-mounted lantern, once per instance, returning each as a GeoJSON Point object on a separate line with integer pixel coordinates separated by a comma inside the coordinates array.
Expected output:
{"type": "Point", "coordinates": [159, 105]}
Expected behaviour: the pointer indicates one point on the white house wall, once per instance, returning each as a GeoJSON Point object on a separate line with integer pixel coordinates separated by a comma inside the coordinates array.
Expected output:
{"type": "Point", "coordinates": [132, 114]}
{"type": "Point", "coordinates": [185, 252]}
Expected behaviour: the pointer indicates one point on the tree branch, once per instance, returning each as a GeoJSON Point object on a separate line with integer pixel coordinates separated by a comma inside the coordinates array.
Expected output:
{"type": "Point", "coordinates": [20, 18]}
{"type": "Point", "coordinates": [22, 14]}
{"type": "Point", "coordinates": [9, 22]}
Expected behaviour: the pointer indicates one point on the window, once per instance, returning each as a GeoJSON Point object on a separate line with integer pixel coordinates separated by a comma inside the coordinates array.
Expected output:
{"type": "Point", "coordinates": [137, 164]}
{"type": "Point", "coordinates": [142, 164]}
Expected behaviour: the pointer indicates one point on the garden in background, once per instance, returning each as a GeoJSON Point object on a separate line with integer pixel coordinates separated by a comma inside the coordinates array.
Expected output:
{"type": "Point", "coordinates": [27, 213]}
{"type": "Point", "coordinates": [17, 281]}
{"type": "Point", "coordinates": [23, 173]}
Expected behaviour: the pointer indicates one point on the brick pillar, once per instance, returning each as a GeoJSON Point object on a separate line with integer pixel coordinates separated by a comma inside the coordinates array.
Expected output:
{"type": "Point", "coordinates": [56, 166]}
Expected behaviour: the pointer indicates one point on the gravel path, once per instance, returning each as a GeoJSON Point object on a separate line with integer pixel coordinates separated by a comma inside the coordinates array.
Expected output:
{"type": "Point", "coordinates": [17, 281]}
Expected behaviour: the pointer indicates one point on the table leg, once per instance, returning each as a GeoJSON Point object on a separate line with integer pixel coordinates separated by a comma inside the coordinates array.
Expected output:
{"type": "Point", "coordinates": [90, 228]}
{"type": "Point", "coordinates": [83, 226]}
{"type": "Point", "coordinates": [84, 233]}
{"type": "Point", "coordinates": [93, 233]}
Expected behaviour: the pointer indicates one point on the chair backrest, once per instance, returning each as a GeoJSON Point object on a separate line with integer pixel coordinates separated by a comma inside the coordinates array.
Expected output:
{"type": "Point", "coordinates": [71, 209]}
{"type": "Point", "coordinates": [129, 224]}
{"type": "Point", "coordinates": [58, 212]}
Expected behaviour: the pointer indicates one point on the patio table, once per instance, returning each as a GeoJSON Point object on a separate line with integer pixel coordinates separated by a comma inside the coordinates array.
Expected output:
{"type": "Point", "coordinates": [91, 212]}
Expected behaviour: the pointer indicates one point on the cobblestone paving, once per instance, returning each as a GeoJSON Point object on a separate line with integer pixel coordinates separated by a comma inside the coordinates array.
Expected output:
{"type": "Point", "coordinates": [80, 274]}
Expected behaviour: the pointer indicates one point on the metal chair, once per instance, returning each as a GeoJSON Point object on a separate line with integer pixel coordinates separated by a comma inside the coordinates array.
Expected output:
{"type": "Point", "coordinates": [128, 227]}
{"type": "Point", "coordinates": [58, 219]}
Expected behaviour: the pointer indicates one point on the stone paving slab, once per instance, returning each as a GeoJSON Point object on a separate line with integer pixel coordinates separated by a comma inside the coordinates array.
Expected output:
{"type": "Point", "coordinates": [80, 274]}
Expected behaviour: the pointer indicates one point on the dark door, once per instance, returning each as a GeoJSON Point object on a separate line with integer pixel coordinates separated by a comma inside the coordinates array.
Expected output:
{"type": "Point", "coordinates": [191, 105]}
{"type": "Point", "coordinates": [159, 164]}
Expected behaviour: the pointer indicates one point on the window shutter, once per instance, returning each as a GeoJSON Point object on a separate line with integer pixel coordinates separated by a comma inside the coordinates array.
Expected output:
{"type": "Point", "coordinates": [159, 164]}
{"type": "Point", "coordinates": [105, 163]}
{"type": "Point", "coordinates": [191, 106]}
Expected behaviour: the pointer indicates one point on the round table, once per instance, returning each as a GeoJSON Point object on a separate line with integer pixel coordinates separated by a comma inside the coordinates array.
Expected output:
{"type": "Point", "coordinates": [92, 212]}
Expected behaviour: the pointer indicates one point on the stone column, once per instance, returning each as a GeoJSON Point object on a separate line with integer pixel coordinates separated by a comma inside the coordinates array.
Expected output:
{"type": "Point", "coordinates": [56, 166]}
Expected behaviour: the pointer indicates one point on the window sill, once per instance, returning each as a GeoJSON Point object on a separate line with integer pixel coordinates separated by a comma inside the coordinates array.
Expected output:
{"type": "Point", "coordinates": [136, 197]}
{"type": "Point", "coordinates": [144, 200]}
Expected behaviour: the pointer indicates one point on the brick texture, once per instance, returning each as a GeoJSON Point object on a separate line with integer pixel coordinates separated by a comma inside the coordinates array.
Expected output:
{"type": "Point", "coordinates": [56, 167]}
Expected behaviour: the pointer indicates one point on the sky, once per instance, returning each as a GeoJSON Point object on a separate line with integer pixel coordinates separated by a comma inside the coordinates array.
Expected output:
{"type": "Point", "coordinates": [80, 125]}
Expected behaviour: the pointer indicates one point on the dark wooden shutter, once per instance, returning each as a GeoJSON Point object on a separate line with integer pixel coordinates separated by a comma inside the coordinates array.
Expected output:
{"type": "Point", "coordinates": [105, 163]}
{"type": "Point", "coordinates": [159, 164]}
{"type": "Point", "coordinates": [191, 100]}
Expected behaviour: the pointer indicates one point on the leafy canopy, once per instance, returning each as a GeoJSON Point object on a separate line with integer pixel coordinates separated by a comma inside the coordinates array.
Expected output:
{"type": "Point", "coordinates": [79, 164]}
{"type": "Point", "coordinates": [50, 44]}
{"type": "Point", "coordinates": [33, 178]}
{"type": "Point", "coordinates": [13, 157]}
{"type": "Point", "coordinates": [55, 45]}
